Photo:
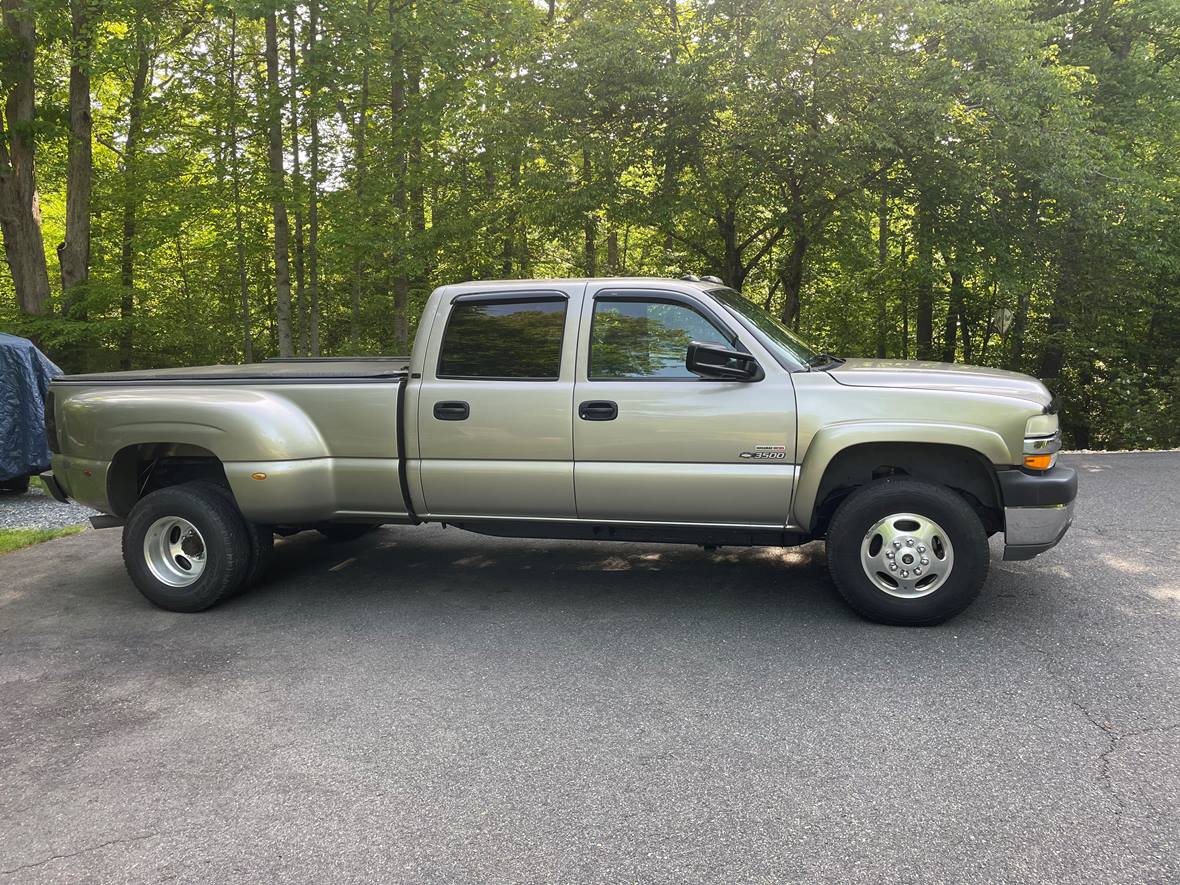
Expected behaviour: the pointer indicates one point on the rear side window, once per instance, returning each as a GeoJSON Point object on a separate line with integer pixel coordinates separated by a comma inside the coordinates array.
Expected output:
{"type": "Point", "coordinates": [504, 339]}
{"type": "Point", "coordinates": [645, 339]}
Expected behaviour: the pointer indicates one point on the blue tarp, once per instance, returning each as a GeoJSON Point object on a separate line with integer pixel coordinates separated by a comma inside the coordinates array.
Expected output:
{"type": "Point", "coordinates": [24, 377]}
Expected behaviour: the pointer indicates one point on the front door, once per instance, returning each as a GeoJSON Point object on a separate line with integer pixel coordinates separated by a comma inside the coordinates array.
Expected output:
{"type": "Point", "coordinates": [654, 442]}
{"type": "Point", "coordinates": [494, 424]}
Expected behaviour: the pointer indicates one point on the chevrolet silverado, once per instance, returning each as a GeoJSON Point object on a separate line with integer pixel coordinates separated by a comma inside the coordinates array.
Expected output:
{"type": "Point", "coordinates": [651, 410]}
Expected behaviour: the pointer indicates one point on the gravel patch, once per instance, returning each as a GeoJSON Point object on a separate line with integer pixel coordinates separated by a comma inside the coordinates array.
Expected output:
{"type": "Point", "coordinates": [37, 510]}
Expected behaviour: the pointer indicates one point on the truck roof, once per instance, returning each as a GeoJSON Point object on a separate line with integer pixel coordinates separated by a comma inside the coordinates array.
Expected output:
{"type": "Point", "coordinates": [480, 285]}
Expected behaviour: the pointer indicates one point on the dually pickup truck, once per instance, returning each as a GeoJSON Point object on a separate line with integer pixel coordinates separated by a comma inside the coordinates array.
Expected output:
{"type": "Point", "coordinates": [652, 410]}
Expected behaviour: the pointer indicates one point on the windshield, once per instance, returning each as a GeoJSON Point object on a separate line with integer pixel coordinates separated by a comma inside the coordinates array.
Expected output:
{"type": "Point", "coordinates": [787, 347]}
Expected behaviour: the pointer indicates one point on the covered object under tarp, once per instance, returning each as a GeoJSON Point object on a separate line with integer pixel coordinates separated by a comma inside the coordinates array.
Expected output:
{"type": "Point", "coordinates": [25, 373]}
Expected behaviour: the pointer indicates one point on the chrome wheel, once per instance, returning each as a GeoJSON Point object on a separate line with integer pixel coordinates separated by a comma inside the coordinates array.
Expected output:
{"type": "Point", "coordinates": [174, 551]}
{"type": "Point", "coordinates": [907, 555]}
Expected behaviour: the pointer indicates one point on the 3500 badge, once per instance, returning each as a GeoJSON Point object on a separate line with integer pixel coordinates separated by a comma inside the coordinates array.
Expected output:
{"type": "Point", "coordinates": [765, 453]}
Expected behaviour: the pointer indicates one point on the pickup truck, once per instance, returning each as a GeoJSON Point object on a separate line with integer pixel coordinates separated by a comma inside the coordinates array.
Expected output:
{"type": "Point", "coordinates": [623, 409]}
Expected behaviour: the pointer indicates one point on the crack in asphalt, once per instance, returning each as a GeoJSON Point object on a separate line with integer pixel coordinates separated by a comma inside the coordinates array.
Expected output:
{"type": "Point", "coordinates": [1115, 738]}
{"type": "Point", "coordinates": [70, 854]}
{"type": "Point", "coordinates": [1113, 735]}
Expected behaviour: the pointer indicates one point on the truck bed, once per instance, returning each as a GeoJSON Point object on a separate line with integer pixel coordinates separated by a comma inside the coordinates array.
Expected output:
{"type": "Point", "coordinates": [390, 368]}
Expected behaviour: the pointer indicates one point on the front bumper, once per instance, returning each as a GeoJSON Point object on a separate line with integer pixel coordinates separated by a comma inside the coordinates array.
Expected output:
{"type": "Point", "coordinates": [1038, 509]}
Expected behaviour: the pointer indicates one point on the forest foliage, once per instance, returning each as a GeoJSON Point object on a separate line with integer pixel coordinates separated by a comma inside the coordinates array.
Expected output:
{"type": "Point", "coordinates": [986, 181]}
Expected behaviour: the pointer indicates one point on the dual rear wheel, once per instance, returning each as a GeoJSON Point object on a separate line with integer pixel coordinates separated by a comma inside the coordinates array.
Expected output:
{"type": "Point", "coordinates": [187, 547]}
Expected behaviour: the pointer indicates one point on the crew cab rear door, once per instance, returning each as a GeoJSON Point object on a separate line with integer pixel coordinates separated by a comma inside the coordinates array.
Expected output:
{"type": "Point", "coordinates": [656, 443]}
{"type": "Point", "coordinates": [493, 414]}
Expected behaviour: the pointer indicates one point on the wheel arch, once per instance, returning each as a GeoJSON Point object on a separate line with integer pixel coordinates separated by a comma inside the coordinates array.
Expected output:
{"type": "Point", "coordinates": [141, 468]}
{"type": "Point", "coordinates": [840, 461]}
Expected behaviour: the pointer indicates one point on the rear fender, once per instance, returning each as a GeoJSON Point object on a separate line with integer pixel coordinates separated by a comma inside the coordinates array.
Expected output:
{"type": "Point", "coordinates": [234, 423]}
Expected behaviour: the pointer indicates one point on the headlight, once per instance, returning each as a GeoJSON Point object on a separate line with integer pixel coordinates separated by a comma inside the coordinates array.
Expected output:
{"type": "Point", "coordinates": [1040, 452]}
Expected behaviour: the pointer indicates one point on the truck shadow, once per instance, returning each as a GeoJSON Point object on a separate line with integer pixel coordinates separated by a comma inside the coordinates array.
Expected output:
{"type": "Point", "coordinates": [460, 567]}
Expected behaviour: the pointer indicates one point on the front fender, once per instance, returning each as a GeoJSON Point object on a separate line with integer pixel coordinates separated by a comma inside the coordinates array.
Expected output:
{"type": "Point", "coordinates": [835, 438]}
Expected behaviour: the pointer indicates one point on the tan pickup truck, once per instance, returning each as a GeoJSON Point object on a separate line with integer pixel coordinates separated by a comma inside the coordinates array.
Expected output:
{"type": "Point", "coordinates": [651, 410]}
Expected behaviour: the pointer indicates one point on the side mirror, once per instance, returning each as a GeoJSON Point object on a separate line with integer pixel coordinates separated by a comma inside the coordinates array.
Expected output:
{"type": "Point", "coordinates": [721, 363]}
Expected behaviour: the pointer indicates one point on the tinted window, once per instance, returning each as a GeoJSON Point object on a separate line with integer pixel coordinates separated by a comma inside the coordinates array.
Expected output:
{"type": "Point", "coordinates": [503, 339]}
{"type": "Point", "coordinates": [645, 339]}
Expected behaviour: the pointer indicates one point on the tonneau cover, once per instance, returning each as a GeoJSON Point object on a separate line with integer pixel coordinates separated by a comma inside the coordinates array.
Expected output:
{"type": "Point", "coordinates": [294, 369]}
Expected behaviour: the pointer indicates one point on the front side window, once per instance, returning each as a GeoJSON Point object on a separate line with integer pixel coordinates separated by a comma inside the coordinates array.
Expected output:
{"type": "Point", "coordinates": [504, 339]}
{"type": "Point", "coordinates": [645, 339]}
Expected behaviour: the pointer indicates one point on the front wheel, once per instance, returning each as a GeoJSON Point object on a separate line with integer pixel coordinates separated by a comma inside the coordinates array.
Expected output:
{"type": "Point", "coordinates": [906, 552]}
{"type": "Point", "coordinates": [185, 547]}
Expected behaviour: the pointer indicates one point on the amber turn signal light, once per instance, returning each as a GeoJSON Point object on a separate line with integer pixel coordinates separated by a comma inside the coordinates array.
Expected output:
{"type": "Point", "coordinates": [1038, 462]}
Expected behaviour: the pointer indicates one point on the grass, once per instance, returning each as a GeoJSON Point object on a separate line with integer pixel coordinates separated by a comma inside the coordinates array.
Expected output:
{"type": "Point", "coordinates": [14, 539]}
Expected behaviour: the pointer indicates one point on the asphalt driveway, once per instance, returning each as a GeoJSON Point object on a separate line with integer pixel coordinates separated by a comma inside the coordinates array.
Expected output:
{"type": "Point", "coordinates": [427, 705]}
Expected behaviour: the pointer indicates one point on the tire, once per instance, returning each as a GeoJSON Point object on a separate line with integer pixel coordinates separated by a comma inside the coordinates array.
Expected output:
{"type": "Point", "coordinates": [261, 537]}
{"type": "Point", "coordinates": [872, 530]}
{"type": "Point", "coordinates": [189, 524]}
{"type": "Point", "coordinates": [262, 550]}
{"type": "Point", "coordinates": [345, 531]}
{"type": "Point", "coordinates": [18, 484]}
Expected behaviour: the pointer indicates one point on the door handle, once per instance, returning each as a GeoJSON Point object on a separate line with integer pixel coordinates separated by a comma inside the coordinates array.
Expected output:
{"type": "Point", "coordinates": [452, 410]}
{"type": "Point", "coordinates": [598, 410]}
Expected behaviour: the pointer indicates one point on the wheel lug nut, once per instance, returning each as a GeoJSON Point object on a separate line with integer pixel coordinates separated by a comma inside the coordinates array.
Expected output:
{"type": "Point", "coordinates": [909, 542]}
{"type": "Point", "coordinates": [925, 561]}
{"type": "Point", "coordinates": [904, 573]}
{"type": "Point", "coordinates": [893, 566]}
{"type": "Point", "coordinates": [889, 555]}
{"type": "Point", "coordinates": [917, 571]}
{"type": "Point", "coordinates": [897, 543]}
{"type": "Point", "coordinates": [921, 549]}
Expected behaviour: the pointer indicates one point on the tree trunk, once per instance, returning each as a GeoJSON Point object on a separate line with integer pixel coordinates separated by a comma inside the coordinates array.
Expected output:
{"type": "Point", "coordinates": [905, 307]}
{"type": "Point", "coordinates": [397, 113]}
{"type": "Point", "coordinates": [1052, 360]}
{"type": "Point", "coordinates": [274, 127]}
{"type": "Point", "coordinates": [131, 194]}
{"type": "Point", "coordinates": [590, 223]}
{"type": "Point", "coordinates": [792, 279]}
{"type": "Point", "coordinates": [732, 270]}
{"type": "Point", "coordinates": [73, 253]}
{"type": "Point", "coordinates": [882, 264]}
{"type": "Point", "coordinates": [239, 239]}
{"type": "Point", "coordinates": [965, 323]}
{"type": "Point", "coordinates": [673, 162]}
{"type": "Point", "coordinates": [313, 211]}
{"type": "Point", "coordinates": [1020, 321]}
{"type": "Point", "coordinates": [612, 252]}
{"type": "Point", "coordinates": [953, 317]}
{"type": "Point", "coordinates": [299, 323]}
{"type": "Point", "coordinates": [510, 248]}
{"type": "Point", "coordinates": [925, 287]}
{"type": "Point", "coordinates": [20, 210]}
{"type": "Point", "coordinates": [418, 244]}
{"type": "Point", "coordinates": [360, 165]}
